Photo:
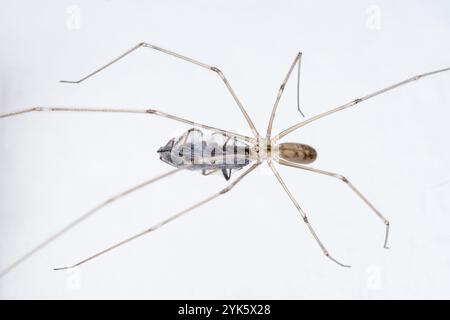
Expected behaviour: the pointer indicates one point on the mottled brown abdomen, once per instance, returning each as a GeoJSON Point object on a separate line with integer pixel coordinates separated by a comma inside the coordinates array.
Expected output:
{"type": "Point", "coordinates": [296, 152]}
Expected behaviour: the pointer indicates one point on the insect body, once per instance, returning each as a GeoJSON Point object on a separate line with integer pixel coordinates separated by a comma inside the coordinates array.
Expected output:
{"type": "Point", "coordinates": [208, 155]}
{"type": "Point", "coordinates": [224, 151]}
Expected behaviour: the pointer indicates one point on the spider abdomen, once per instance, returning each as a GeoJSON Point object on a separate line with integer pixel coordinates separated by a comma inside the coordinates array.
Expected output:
{"type": "Point", "coordinates": [296, 152]}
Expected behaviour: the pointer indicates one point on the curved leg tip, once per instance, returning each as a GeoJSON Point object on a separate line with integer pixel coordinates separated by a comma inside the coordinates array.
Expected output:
{"type": "Point", "coordinates": [386, 237]}
{"type": "Point", "coordinates": [63, 268]}
{"type": "Point", "coordinates": [337, 262]}
{"type": "Point", "coordinates": [301, 112]}
{"type": "Point", "coordinates": [68, 81]}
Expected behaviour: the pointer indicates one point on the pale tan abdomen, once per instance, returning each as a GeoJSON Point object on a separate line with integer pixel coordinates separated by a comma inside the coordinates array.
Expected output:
{"type": "Point", "coordinates": [296, 152]}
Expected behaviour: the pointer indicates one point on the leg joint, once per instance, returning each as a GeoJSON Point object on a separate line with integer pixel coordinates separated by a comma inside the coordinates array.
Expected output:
{"type": "Point", "coordinates": [217, 70]}
{"type": "Point", "coordinates": [340, 177]}
{"type": "Point", "coordinates": [220, 73]}
{"type": "Point", "coordinates": [225, 190]}
{"type": "Point", "coordinates": [356, 101]}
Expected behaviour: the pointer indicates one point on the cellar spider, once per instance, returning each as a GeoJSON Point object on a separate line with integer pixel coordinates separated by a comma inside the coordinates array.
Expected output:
{"type": "Point", "coordinates": [232, 151]}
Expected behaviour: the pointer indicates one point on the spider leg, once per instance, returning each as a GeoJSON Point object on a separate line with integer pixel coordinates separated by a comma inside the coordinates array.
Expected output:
{"type": "Point", "coordinates": [182, 57]}
{"type": "Point", "coordinates": [355, 102]}
{"type": "Point", "coordinates": [304, 216]}
{"type": "Point", "coordinates": [84, 217]}
{"type": "Point", "coordinates": [298, 59]}
{"type": "Point", "coordinates": [129, 111]}
{"type": "Point", "coordinates": [298, 86]}
{"type": "Point", "coordinates": [95, 210]}
{"type": "Point", "coordinates": [164, 222]}
{"type": "Point", "coordinates": [351, 186]}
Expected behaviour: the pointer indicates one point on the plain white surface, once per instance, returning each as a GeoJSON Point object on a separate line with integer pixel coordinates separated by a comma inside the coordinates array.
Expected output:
{"type": "Point", "coordinates": [250, 243]}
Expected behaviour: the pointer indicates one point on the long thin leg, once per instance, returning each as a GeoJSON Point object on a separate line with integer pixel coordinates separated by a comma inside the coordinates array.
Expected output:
{"type": "Point", "coordinates": [304, 216]}
{"type": "Point", "coordinates": [354, 189]}
{"type": "Point", "coordinates": [164, 222]}
{"type": "Point", "coordinates": [139, 111]}
{"type": "Point", "coordinates": [298, 59]}
{"type": "Point", "coordinates": [298, 86]}
{"type": "Point", "coordinates": [82, 218]}
{"type": "Point", "coordinates": [355, 102]}
{"type": "Point", "coordinates": [96, 209]}
{"type": "Point", "coordinates": [177, 55]}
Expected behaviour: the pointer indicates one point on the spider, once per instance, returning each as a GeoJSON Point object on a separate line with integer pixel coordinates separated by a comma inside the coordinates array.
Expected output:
{"type": "Point", "coordinates": [223, 151]}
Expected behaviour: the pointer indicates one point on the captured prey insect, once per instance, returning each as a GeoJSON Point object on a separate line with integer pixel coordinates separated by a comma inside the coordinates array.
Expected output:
{"type": "Point", "coordinates": [223, 151]}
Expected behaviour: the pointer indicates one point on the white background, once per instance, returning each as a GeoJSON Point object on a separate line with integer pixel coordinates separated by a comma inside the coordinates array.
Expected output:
{"type": "Point", "coordinates": [250, 243]}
